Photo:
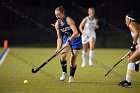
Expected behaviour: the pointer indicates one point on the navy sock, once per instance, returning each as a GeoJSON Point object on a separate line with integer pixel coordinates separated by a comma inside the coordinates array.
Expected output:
{"type": "Point", "coordinates": [72, 70]}
{"type": "Point", "coordinates": [64, 66]}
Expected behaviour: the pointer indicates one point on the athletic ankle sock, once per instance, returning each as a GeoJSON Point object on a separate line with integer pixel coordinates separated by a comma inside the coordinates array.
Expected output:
{"type": "Point", "coordinates": [130, 70]}
{"type": "Point", "coordinates": [91, 54]}
{"type": "Point", "coordinates": [72, 70]}
{"type": "Point", "coordinates": [84, 56]}
{"type": "Point", "coordinates": [64, 66]}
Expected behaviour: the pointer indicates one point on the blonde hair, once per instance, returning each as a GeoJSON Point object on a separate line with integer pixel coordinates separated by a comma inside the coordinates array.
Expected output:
{"type": "Point", "coordinates": [61, 9]}
{"type": "Point", "coordinates": [91, 9]}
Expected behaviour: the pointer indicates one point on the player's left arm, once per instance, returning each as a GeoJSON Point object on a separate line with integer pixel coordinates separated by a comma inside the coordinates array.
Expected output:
{"type": "Point", "coordinates": [97, 23]}
{"type": "Point", "coordinates": [71, 23]}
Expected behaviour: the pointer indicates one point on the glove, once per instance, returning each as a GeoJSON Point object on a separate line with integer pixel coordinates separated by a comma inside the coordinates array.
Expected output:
{"type": "Point", "coordinates": [133, 47]}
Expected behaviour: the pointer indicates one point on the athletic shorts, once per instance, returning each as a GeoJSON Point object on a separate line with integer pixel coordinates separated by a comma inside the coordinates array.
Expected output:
{"type": "Point", "coordinates": [75, 44]}
{"type": "Point", "coordinates": [86, 37]}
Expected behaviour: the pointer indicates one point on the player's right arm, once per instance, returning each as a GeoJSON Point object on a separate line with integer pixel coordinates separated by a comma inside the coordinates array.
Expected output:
{"type": "Point", "coordinates": [135, 30]}
{"type": "Point", "coordinates": [59, 36]}
{"type": "Point", "coordinates": [81, 26]}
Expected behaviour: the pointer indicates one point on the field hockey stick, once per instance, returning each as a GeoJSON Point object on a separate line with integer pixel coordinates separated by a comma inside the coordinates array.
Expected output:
{"type": "Point", "coordinates": [37, 69]}
{"type": "Point", "coordinates": [71, 50]}
{"type": "Point", "coordinates": [53, 25]}
{"type": "Point", "coordinates": [118, 62]}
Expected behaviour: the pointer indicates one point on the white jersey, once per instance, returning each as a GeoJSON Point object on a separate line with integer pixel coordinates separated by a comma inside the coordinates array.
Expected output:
{"type": "Point", "coordinates": [138, 41]}
{"type": "Point", "coordinates": [90, 25]}
{"type": "Point", "coordinates": [89, 30]}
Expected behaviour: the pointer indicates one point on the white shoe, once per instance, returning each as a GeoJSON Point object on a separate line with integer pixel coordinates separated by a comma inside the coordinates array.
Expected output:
{"type": "Point", "coordinates": [83, 64]}
{"type": "Point", "coordinates": [71, 79]}
{"type": "Point", "coordinates": [63, 77]}
{"type": "Point", "coordinates": [90, 63]}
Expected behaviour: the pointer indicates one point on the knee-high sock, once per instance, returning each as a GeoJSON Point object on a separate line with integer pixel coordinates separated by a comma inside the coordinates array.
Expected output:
{"type": "Point", "coordinates": [72, 70]}
{"type": "Point", "coordinates": [84, 56]}
{"type": "Point", "coordinates": [130, 70]}
{"type": "Point", "coordinates": [64, 66]}
{"type": "Point", "coordinates": [91, 54]}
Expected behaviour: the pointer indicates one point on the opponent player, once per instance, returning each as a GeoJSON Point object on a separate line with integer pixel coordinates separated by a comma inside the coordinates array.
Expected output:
{"type": "Point", "coordinates": [134, 27]}
{"type": "Point", "coordinates": [67, 35]}
{"type": "Point", "coordinates": [87, 27]}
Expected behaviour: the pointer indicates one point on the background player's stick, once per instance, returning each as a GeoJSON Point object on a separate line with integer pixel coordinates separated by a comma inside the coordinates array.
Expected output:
{"type": "Point", "coordinates": [37, 69]}
{"type": "Point", "coordinates": [118, 62]}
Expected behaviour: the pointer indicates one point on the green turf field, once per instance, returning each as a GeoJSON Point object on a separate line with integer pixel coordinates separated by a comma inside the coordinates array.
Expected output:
{"type": "Point", "coordinates": [19, 62]}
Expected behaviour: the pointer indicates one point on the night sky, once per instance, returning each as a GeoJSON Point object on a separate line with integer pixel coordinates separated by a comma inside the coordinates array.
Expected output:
{"type": "Point", "coordinates": [104, 8]}
{"type": "Point", "coordinates": [39, 14]}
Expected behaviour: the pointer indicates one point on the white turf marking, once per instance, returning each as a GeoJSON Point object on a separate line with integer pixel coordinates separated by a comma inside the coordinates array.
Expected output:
{"type": "Point", "coordinates": [3, 55]}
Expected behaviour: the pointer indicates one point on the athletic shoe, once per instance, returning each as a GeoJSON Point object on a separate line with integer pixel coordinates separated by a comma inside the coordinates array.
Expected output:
{"type": "Point", "coordinates": [136, 67]}
{"type": "Point", "coordinates": [90, 63]}
{"type": "Point", "coordinates": [63, 77]}
{"type": "Point", "coordinates": [124, 83]}
{"type": "Point", "coordinates": [83, 64]}
{"type": "Point", "coordinates": [71, 79]}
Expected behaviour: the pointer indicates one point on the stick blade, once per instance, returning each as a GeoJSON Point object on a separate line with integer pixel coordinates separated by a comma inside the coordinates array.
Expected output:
{"type": "Point", "coordinates": [106, 74]}
{"type": "Point", "coordinates": [33, 71]}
